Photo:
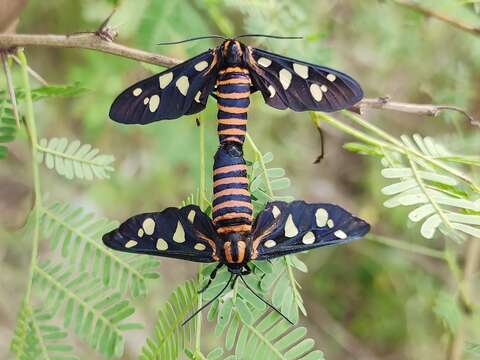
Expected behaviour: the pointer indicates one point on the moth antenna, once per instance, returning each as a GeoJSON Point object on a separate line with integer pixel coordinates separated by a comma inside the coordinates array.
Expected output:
{"type": "Point", "coordinates": [265, 301]}
{"type": "Point", "coordinates": [208, 303]}
{"type": "Point", "coordinates": [270, 36]}
{"type": "Point", "coordinates": [193, 39]}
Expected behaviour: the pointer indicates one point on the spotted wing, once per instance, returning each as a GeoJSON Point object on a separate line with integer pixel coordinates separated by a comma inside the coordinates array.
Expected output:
{"type": "Point", "coordinates": [288, 83]}
{"type": "Point", "coordinates": [285, 228]}
{"type": "Point", "coordinates": [180, 90]}
{"type": "Point", "coordinates": [185, 233]}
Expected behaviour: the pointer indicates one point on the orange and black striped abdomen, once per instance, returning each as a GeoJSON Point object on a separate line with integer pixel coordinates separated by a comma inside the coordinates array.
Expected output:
{"type": "Point", "coordinates": [233, 93]}
{"type": "Point", "coordinates": [232, 205]}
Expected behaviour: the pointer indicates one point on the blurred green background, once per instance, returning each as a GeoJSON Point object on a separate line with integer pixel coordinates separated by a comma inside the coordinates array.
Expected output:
{"type": "Point", "coordinates": [365, 300]}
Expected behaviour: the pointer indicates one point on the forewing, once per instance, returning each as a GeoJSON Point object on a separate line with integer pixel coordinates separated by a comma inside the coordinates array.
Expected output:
{"type": "Point", "coordinates": [285, 228]}
{"type": "Point", "coordinates": [289, 83]}
{"type": "Point", "coordinates": [180, 90]}
{"type": "Point", "coordinates": [185, 233]}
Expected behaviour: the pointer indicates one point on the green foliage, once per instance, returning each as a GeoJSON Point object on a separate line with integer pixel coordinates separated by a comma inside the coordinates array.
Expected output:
{"type": "Point", "coordinates": [170, 336]}
{"type": "Point", "coordinates": [447, 310]}
{"type": "Point", "coordinates": [96, 315]}
{"type": "Point", "coordinates": [8, 129]}
{"type": "Point", "coordinates": [438, 198]}
{"type": "Point", "coordinates": [264, 181]}
{"type": "Point", "coordinates": [36, 337]}
{"type": "Point", "coordinates": [473, 348]}
{"type": "Point", "coordinates": [265, 335]}
{"type": "Point", "coordinates": [76, 233]}
{"type": "Point", "coordinates": [74, 160]}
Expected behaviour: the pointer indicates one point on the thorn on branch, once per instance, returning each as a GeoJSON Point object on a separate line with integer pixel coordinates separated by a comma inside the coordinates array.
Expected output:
{"type": "Point", "coordinates": [106, 32]}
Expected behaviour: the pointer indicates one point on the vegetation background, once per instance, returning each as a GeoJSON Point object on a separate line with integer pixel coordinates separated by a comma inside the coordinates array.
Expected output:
{"type": "Point", "coordinates": [393, 295]}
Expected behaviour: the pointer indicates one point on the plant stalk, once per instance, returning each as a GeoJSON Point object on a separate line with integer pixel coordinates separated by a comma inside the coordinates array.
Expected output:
{"type": "Point", "coordinates": [37, 201]}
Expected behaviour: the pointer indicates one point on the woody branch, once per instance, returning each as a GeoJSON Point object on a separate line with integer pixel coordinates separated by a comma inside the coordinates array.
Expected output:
{"type": "Point", "coordinates": [103, 41]}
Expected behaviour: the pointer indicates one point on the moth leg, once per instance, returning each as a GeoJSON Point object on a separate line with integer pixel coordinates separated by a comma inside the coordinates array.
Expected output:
{"type": "Point", "coordinates": [210, 279]}
{"type": "Point", "coordinates": [322, 146]}
{"type": "Point", "coordinates": [232, 285]}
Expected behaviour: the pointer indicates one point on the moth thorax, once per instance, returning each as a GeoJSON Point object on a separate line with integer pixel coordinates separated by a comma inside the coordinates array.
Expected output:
{"type": "Point", "coordinates": [232, 52]}
{"type": "Point", "coordinates": [235, 251]}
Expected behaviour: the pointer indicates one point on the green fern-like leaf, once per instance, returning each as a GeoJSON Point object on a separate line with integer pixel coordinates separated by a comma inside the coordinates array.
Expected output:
{"type": "Point", "coordinates": [473, 348]}
{"type": "Point", "coordinates": [74, 160]}
{"type": "Point", "coordinates": [170, 337]}
{"type": "Point", "coordinates": [438, 197]}
{"type": "Point", "coordinates": [96, 314]}
{"type": "Point", "coordinates": [77, 234]}
{"type": "Point", "coordinates": [265, 335]}
{"type": "Point", "coordinates": [36, 337]}
{"type": "Point", "coordinates": [8, 129]}
{"type": "Point", "coordinates": [264, 179]}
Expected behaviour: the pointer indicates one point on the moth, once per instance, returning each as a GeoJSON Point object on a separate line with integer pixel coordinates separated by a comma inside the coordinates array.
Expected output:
{"type": "Point", "coordinates": [280, 229]}
{"type": "Point", "coordinates": [283, 82]}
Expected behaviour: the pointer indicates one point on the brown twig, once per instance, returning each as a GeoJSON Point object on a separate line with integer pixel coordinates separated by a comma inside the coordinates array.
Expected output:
{"type": "Point", "coordinates": [384, 103]}
{"type": "Point", "coordinates": [440, 16]}
{"type": "Point", "coordinates": [11, 89]}
{"type": "Point", "coordinates": [92, 41]}
{"type": "Point", "coordinates": [102, 40]}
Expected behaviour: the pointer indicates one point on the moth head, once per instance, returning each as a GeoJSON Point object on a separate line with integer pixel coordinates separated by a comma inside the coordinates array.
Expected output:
{"type": "Point", "coordinates": [232, 52]}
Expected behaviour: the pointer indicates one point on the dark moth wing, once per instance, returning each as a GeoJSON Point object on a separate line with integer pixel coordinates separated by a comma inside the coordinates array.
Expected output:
{"type": "Point", "coordinates": [289, 83]}
{"type": "Point", "coordinates": [185, 233]}
{"type": "Point", "coordinates": [180, 90]}
{"type": "Point", "coordinates": [285, 228]}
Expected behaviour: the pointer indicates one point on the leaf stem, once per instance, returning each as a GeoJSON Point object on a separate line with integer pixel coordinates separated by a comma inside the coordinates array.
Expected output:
{"type": "Point", "coordinates": [414, 248]}
{"type": "Point", "coordinates": [259, 158]}
{"type": "Point", "coordinates": [420, 183]}
{"type": "Point", "coordinates": [263, 339]}
{"type": "Point", "coordinates": [392, 143]}
{"type": "Point", "coordinates": [202, 202]}
{"type": "Point", "coordinates": [37, 202]}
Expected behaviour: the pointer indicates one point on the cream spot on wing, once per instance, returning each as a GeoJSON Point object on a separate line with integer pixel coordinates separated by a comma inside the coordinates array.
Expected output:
{"type": "Point", "coordinates": [308, 238]}
{"type": "Point", "coordinates": [202, 65]}
{"type": "Point", "coordinates": [264, 62]}
{"type": "Point", "coordinates": [331, 77]}
{"type": "Point", "coordinates": [316, 92]}
{"type": "Point", "coordinates": [146, 100]}
{"type": "Point", "coordinates": [270, 243]}
{"type": "Point", "coordinates": [197, 97]}
{"type": "Point", "coordinates": [285, 78]}
{"type": "Point", "coordinates": [321, 215]}
{"type": "Point", "coordinates": [137, 91]}
{"type": "Point", "coordinates": [301, 70]}
{"type": "Point", "coordinates": [182, 84]}
{"type": "Point", "coordinates": [130, 243]}
{"type": "Point", "coordinates": [199, 247]}
{"type": "Point", "coordinates": [323, 88]}
{"type": "Point", "coordinates": [340, 234]}
{"type": "Point", "coordinates": [161, 245]}
{"type": "Point", "coordinates": [154, 102]}
{"type": "Point", "coordinates": [330, 223]}
{"type": "Point", "coordinates": [165, 79]}
{"type": "Point", "coordinates": [140, 232]}
{"type": "Point", "coordinates": [290, 228]}
{"type": "Point", "coordinates": [191, 216]}
{"type": "Point", "coordinates": [148, 226]}
{"type": "Point", "coordinates": [272, 91]}
{"type": "Point", "coordinates": [179, 235]}
{"type": "Point", "coordinates": [275, 212]}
